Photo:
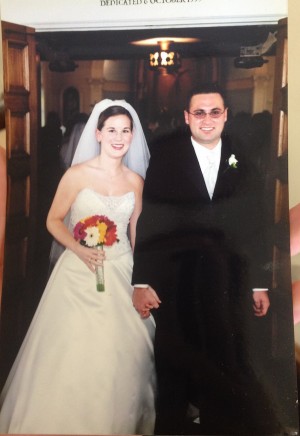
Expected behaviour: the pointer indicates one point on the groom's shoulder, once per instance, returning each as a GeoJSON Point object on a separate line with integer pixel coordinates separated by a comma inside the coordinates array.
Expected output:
{"type": "Point", "coordinates": [170, 143]}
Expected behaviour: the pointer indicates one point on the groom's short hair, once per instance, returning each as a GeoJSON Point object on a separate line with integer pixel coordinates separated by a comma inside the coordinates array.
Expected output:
{"type": "Point", "coordinates": [206, 88]}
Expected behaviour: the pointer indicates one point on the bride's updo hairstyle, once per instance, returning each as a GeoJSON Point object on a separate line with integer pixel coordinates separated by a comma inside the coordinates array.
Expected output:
{"type": "Point", "coordinates": [111, 112]}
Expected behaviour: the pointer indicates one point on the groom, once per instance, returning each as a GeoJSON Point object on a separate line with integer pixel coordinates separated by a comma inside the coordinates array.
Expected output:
{"type": "Point", "coordinates": [201, 267]}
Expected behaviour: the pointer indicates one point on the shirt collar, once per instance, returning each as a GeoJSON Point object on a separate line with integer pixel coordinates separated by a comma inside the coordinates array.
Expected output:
{"type": "Point", "coordinates": [203, 153]}
{"type": "Point", "coordinates": [202, 150]}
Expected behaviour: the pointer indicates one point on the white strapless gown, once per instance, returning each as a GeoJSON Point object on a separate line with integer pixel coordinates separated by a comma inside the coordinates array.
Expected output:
{"type": "Point", "coordinates": [86, 365]}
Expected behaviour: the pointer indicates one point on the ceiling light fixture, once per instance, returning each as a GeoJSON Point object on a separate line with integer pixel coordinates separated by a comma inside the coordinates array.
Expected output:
{"type": "Point", "coordinates": [164, 58]}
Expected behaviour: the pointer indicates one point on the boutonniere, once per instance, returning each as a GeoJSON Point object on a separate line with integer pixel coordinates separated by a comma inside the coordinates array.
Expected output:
{"type": "Point", "coordinates": [232, 161]}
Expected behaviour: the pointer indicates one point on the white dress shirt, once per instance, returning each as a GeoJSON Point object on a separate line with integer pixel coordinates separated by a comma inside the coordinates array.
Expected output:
{"type": "Point", "coordinates": [209, 161]}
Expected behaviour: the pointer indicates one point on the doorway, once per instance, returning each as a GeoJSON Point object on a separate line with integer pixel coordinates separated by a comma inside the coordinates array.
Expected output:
{"type": "Point", "coordinates": [155, 93]}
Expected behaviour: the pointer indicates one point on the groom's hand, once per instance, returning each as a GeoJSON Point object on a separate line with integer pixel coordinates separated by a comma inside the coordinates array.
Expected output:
{"type": "Point", "coordinates": [261, 303]}
{"type": "Point", "coordinates": [145, 299]}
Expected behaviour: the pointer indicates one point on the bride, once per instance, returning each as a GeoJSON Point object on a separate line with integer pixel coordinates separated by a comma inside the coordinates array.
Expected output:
{"type": "Point", "coordinates": [86, 365]}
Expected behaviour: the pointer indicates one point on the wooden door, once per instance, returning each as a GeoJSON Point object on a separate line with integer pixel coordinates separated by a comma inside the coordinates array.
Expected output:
{"type": "Point", "coordinates": [281, 254]}
{"type": "Point", "coordinates": [283, 334]}
{"type": "Point", "coordinates": [21, 120]}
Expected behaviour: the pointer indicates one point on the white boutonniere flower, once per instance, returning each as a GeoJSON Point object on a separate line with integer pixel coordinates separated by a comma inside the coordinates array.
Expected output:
{"type": "Point", "coordinates": [233, 161]}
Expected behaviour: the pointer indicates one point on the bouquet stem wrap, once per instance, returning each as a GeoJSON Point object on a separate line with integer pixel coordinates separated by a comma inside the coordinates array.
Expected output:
{"type": "Point", "coordinates": [100, 284]}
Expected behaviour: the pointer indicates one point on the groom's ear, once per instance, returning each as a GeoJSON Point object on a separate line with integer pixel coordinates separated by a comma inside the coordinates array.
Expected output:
{"type": "Point", "coordinates": [186, 117]}
{"type": "Point", "coordinates": [225, 114]}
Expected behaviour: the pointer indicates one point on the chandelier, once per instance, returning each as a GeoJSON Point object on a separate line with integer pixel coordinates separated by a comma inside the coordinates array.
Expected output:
{"type": "Point", "coordinates": [164, 58]}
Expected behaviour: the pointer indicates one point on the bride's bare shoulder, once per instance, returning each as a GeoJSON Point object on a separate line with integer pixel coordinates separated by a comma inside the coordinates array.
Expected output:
{"type": "Point", "coordinates": [81, 167]}
{"type": "Point", "coordinates": [135, 179]}
{"type": "Point", "coordinates": [76, 175]}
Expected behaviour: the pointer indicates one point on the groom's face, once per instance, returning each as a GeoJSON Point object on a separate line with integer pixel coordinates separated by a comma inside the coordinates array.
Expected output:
{"type": "Point", "coordinates": [206, 131]}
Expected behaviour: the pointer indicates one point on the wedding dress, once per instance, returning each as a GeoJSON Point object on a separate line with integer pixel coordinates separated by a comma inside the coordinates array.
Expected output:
{"type": "Point", "coordinates": [86, 365]}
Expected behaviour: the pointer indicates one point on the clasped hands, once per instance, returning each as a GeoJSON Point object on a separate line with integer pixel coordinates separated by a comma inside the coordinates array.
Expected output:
{"type": "Point", "coordinates": [145, 299]}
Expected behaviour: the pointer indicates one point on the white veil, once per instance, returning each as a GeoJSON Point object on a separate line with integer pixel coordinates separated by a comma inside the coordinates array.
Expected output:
{"type": "Point", "coordinates": [136, 159]}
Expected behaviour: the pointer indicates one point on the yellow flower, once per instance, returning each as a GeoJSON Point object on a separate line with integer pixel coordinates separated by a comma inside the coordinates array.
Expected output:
{"type": "Point", "coordinates": [102, 232]}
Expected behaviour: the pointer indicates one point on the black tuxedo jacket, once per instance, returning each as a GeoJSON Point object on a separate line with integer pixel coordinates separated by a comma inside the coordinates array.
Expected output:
{"type": "Point", "coordinates": [203, 257]}
{"type": "Point", "coordinates": [179, 219]}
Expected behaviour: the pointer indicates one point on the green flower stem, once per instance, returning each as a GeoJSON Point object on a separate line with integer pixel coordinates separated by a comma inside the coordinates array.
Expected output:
{"type": "Point", "coordinates": [100, 275]}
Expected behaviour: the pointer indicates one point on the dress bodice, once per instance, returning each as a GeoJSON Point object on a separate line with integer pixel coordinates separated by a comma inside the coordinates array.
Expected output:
{"type": "Point", "coordinates": [117, 208]}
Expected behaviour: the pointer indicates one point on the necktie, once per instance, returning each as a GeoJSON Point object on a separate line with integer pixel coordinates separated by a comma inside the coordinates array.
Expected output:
{"type": "Point", "coordinates": [211, 174]}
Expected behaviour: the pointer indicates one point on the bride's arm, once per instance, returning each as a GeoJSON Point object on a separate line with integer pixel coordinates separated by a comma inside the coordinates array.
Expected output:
{"type": "Point", "coordinates": [64, 197]}
{"type": "Point", "coordinates": [138, 190]}
{"type": "Point", "coordinates": [144, 298]}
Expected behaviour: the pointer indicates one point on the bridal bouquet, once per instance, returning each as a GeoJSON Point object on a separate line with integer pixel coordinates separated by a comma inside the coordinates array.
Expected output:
{"type": "Point", "coordinates": [96, 231]}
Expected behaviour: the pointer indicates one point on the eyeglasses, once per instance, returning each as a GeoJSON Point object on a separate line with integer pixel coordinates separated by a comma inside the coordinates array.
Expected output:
{"type": "Point", "coordinates": [201, 114]}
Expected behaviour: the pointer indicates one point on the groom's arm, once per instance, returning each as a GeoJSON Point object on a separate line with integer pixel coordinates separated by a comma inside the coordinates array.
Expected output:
{"type": "Point", "coordinates": [258, 246]}
{"type": "Point", "coordinates": [154, 223]}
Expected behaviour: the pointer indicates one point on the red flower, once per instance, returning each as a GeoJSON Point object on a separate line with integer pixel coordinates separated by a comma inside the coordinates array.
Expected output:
{"type": "Point", "coordinates": [92, 221]}
{"type": "Point", "coordinates": [79, 230]}
{"type": "Point", "coordinates": [111, 234]}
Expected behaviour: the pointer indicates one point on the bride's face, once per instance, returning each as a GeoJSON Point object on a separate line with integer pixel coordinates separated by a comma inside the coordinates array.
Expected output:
{"type": "Point", "coordinates": [115, 136]}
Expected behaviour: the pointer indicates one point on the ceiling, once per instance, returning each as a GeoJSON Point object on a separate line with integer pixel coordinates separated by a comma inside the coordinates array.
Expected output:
{"type": "Point", "coordinates": [116, 44]}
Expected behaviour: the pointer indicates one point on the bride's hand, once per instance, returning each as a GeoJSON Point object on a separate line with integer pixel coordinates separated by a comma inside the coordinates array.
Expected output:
{"type": "Point", "coordinates": [92, 257]}
{"type": "Point", "coordinates": [145, 299]}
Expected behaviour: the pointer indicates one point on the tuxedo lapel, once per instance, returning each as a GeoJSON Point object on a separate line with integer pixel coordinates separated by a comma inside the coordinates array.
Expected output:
{"type": "Point", "coordinates": [227, 175]}
{"type": "Point", "coordinates": [194, 173]}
